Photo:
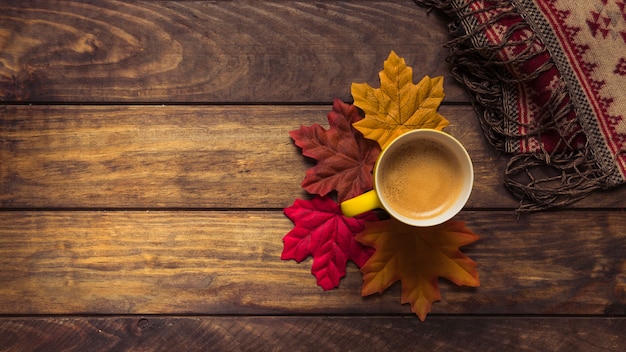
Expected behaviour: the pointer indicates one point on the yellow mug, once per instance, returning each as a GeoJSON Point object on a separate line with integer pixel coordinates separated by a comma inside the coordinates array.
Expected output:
{"type": "Point", "coordinates": [422, 178]}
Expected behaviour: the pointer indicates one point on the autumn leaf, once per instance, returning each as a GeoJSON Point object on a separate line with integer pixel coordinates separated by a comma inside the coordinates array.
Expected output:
{"type": "Point", "coordinates": [321, 230]}
{"type": "Point", "coordinates": [417, 256]}
{"type": "Point", "coordinates": [398, 105]}
{"type": "Point", "coordinates": [345, 159]}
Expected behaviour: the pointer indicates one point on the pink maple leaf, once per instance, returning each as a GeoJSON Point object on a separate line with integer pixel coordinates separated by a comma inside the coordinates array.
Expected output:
{"type": "Point", "coordinates": [322, 231]}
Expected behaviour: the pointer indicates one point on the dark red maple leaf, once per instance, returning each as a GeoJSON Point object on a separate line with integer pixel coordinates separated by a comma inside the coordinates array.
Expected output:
{"type": "Point", "coordinates": [345, 158]}
{"type": "Point", "coordinates": [321, 230]}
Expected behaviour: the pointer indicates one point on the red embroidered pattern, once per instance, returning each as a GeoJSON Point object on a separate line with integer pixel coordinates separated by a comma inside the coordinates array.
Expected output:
{"type": "Point", "coordinates": [549, 80]}
{"type": "Point", "coordinates": [605, 21]}
{"type": "Point", "coordinates": [620, 68]}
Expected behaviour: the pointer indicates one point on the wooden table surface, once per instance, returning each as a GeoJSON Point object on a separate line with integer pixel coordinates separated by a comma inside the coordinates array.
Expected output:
{"type": "Point", "coordinates": [145, 162]}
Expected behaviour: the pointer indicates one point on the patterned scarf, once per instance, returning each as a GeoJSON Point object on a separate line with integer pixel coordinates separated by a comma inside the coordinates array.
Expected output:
{"type": "Point", "coordinates": [548, 80]}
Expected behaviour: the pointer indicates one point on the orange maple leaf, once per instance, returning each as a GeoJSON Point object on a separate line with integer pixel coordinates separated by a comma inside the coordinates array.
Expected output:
{"type": "Point", "coordinates": [398, 105]}
{"type": "Point", "coordinates": [417, 256]}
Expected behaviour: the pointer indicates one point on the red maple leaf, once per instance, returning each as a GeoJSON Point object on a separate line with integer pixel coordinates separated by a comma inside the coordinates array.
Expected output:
{"type": "Point", "coordinates": [345, 158]}
{"type": "Point", "coordinates": [321, 230]}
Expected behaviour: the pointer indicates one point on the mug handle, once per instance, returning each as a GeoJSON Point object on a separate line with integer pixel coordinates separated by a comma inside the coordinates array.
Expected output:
{"type": "Point", "coordinates": [361, 204]}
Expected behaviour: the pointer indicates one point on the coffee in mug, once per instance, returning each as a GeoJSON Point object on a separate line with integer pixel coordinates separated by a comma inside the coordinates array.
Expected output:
{"type": "Point", "coordinates": [423, 178]}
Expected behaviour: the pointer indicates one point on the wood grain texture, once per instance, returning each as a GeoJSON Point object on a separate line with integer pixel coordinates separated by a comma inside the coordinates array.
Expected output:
{"type": "Point", "coordinates": [141, 193]}
{"type": "Point", "coordinates": [190, 157]}
{"type": "Point", "coordinates": [156, 333]}
{"type": "Point", "coordinates": [229, 263]}
{"type": "Point", "coordinates": [150, 157]}
{"type": "Point", "coordinates": [210, 51]}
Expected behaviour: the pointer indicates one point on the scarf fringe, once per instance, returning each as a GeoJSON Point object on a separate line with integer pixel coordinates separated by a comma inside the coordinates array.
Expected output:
{"type": "Point", "coordinates": [542, 179]}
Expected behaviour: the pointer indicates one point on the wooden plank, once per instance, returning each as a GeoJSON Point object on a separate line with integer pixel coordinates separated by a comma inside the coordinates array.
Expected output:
{"type": "Point", "coordinates": [88, 262]}
{"type": "Point", "coordinates": [151, 156]}
{"type": "Point", "coordinates": [211, 51]}
{"type": "Point", "coordinates": [447, 333]}
{"type": "Point", "coordinates": [190, 157]}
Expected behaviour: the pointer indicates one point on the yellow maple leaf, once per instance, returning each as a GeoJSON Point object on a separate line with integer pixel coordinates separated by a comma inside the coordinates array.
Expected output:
{"type": "Point", "coordinates": [417, 256]}
{"type": "Point", "coordinates": [398, 105]}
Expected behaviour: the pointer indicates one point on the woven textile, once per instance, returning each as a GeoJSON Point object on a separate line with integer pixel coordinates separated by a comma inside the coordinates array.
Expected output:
{"type": "Point", "coordinates": [548, 79]}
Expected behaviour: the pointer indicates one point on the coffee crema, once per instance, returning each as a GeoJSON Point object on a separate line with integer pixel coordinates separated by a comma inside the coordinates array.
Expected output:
{"type": "Point", "coordinates": [420, 179]}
